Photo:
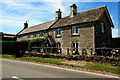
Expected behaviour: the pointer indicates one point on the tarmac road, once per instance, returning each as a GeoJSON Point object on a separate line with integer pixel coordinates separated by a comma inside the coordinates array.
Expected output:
{"type": "Point", "coordinates": [18, 69]}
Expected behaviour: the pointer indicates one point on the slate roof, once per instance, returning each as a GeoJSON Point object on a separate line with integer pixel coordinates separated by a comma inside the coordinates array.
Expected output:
{"type": "Point", "coordinates": [38, 27]}
{"type": "Point", "coordinates": [82, 17]}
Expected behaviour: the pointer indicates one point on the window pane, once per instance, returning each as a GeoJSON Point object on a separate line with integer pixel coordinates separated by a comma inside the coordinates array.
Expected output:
{"type": "Point", "coordinates": [28, 36]}
{"type": "Point", "coordinates": [41, 34]}
{"type": "Point", "coordinates": [76, 45]}
{"type": "Point", "coordinates": [73, 45]}
{"type": "Point", "coordinates": [34, 35]}
{"type": "Point", "coordinates": [58, 32]}
{"type": "Point", "coordinates": [58, 45]}
{"type": "Point", "coordinates": [103, 27]}
{"type": "Point", "coordinates": [74, 29]}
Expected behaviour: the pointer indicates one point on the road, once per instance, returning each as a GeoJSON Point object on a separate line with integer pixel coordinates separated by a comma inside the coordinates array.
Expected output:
{"type": "Point", "coordinates": [19, 69]}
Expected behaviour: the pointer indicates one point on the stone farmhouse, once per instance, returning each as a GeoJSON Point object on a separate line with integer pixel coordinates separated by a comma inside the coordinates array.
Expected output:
{"type": "Point", "coordinates": [84, 30]}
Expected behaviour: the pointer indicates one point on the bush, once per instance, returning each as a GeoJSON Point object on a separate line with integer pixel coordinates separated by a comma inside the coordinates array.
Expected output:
{"type": "Point", "coordinates": [36, 43]}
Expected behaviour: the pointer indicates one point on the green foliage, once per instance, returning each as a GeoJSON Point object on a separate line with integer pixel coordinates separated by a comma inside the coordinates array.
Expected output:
{"type": "Point", "coordinates": [36, 43]}
{"type": "Point", "coordinates": [44, 60]}
{"type": "Point", "coordinates": [9, 47]}
{"type": "Point", "coordinates": [7, 56]}
{"type": "Point", "coordinates": [113, 69]}
{"type": "Point", "coordinates": [23, 44]}
{"type": "Point", "coordinates": [14, 47]}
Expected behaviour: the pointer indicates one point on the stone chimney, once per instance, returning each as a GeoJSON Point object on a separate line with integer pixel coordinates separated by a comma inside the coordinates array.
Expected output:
{"type": "Point", "coordinates": [58, 14]}
{"type": "Point", "coordinates": [25, 25]}
{"type": "Point", "coordinates": [73, 10]}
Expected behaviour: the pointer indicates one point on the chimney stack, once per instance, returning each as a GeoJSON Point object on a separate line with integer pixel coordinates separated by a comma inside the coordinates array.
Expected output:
{"type": "Point", "coordinates": [73, 10]}
{"type": "Point", "coordinates": [58, 14]}
{"type": "Point", "coordinates": [25, 25]}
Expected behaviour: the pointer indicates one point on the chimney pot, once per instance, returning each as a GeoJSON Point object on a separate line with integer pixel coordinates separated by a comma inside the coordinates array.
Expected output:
{"type": "Point", "coordinates": [58, 14]}
{"type": "Point", "coordinates": [73, 10]}
{"type": "Point", "coordinates": [25, 25]}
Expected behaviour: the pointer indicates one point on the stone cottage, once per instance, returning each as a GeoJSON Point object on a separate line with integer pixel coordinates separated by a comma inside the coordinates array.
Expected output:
{"type": "Point", "coordinates": [74, 33]}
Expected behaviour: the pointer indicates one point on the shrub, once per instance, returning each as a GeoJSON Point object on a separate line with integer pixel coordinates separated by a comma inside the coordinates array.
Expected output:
{"type": "Point", "coordinates": [36, 43]}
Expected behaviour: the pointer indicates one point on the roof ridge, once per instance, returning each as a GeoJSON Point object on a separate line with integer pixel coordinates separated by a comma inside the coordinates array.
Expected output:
{"type": "Point", "coordinates": [87, 10]}
{"type": "Point", "coordinates": [35, 27]}
{"type": "Point", "coordinates": [94, 8]}
{"type": "Point", "coordinates": [42, 23]}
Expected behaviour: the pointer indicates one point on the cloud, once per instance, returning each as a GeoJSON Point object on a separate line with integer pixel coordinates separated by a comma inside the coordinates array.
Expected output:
{"type": "Point", "coordinates": [15, 13]}
{"type": "Point", "coordinates": [64, 0]}
{"type": "Point", "coordinates": [115, 32]}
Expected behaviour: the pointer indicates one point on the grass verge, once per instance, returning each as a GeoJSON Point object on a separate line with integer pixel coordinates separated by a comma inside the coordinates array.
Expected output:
{"type": "Point", "coordinates": [112, 69]}
{"type": "Point", "coordinates": [91, 66]}
{"type": "Point", "coordinates": [44, 60]}
{"type": "Point", "coordinates": [7, 56]}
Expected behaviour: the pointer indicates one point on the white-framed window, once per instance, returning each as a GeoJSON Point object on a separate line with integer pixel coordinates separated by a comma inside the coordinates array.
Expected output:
{"type": "Point", "coordinates": [74, 46]}
{"type": "Point", "coordinates": [28, 36]}
{"type": "Point", "coordinates": [34, 35]}
{"type": "Point", "coordinates": [41, 34]}
{"type": "Point", "coordinates": [58, 44]}
{"type": "Point", "coordinates": [103, 27]}
{"type": "Point", "coordinates": [74, 30]}
{"type": "Point", "coordinates": [58, 32]}
{"type": "Point", "coordinates": [58, 47]}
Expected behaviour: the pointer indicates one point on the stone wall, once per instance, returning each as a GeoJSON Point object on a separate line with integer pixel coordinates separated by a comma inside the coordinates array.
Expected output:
{"type": "Point", "coordinates": [85, 38]}
{"type": "Point", "coordinates": [103, 37]}
{"type": "Point", "coordinates": [25, 36]}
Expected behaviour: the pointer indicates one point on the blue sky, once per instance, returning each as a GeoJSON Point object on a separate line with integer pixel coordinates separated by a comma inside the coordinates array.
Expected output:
{"type": "Point", "coordinates": [14, 13]}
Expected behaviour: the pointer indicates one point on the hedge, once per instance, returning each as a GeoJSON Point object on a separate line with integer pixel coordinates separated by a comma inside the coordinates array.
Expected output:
{"type": "Point", "coordinates": [18, 48]}
{"type": "Point", "coordinates": [13, 47]}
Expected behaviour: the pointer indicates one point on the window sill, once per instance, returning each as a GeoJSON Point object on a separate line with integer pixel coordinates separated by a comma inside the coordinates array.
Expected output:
{"type": "Point", "coordinates": [75, 35]}
{"type": "Point", "coordinates": [41, 37]}
{"type": "Point", "coordinates": [59, 36]}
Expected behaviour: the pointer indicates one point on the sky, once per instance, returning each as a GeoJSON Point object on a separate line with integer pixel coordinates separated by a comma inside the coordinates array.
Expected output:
{"type": "Point", "coordinates": [14, 13]}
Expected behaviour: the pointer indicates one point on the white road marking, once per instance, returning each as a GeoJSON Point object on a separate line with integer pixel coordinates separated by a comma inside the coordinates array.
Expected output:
{"type": "Point", "coordinates": [15, 77]}
{"type": "Point", "coordinates": [65, 69]}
